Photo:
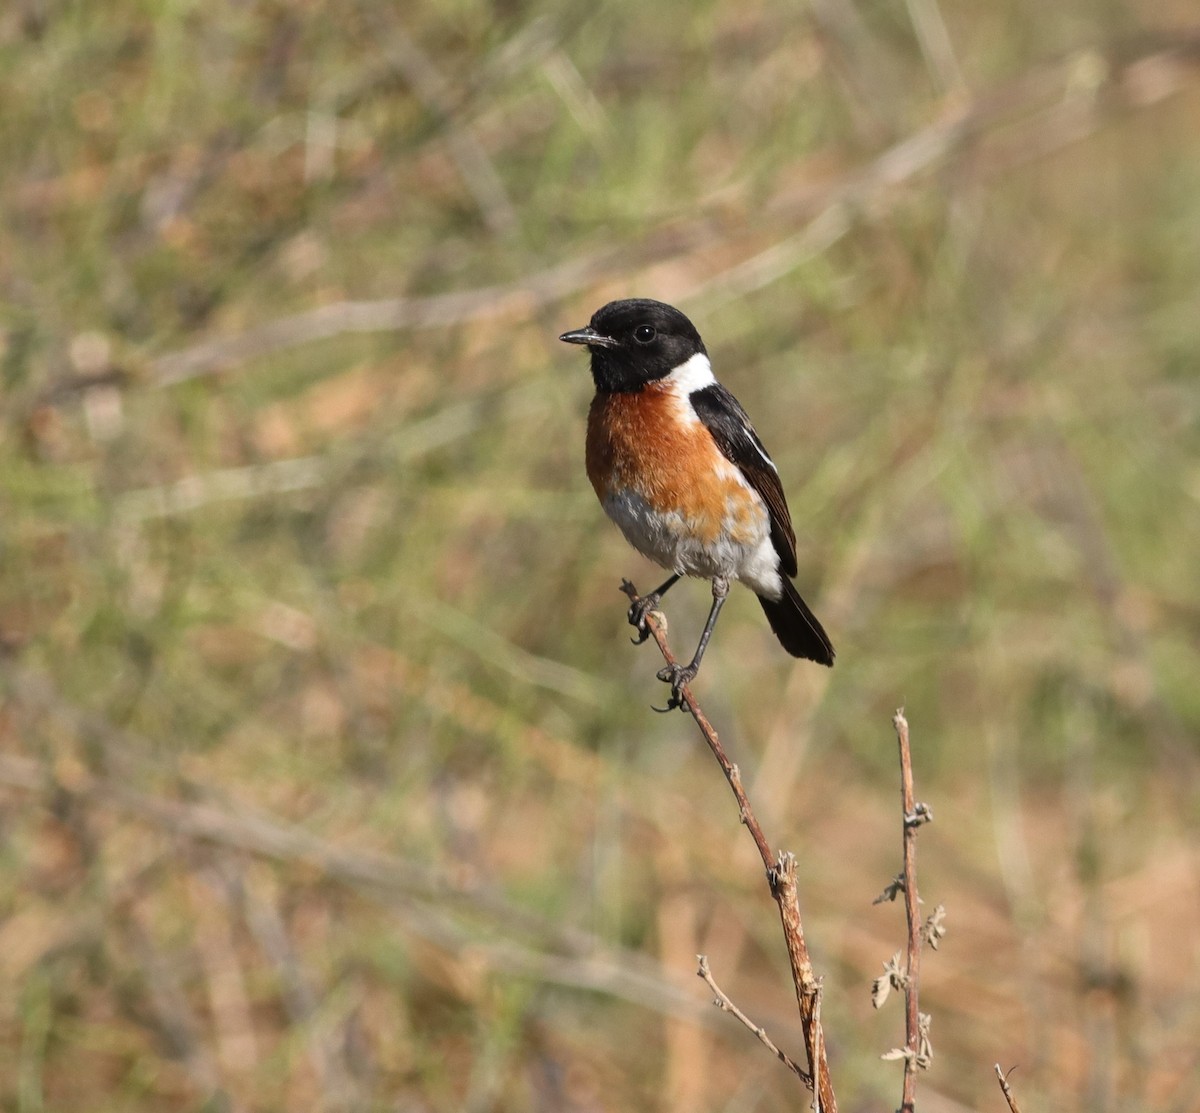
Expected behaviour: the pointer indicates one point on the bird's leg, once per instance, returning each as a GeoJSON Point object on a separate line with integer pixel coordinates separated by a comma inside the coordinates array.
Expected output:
{"type": "Point", "coordinates": [678, 675]}
{"type": "Point", "coordinates": [646, 604]}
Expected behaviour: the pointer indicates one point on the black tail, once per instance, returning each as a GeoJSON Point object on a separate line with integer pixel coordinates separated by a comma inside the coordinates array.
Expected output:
{"type": "Point", "coordinates": [796, 626]}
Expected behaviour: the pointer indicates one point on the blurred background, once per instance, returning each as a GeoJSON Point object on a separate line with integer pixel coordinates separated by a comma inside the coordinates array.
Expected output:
{"type": "Point", "coordinates": [328, 774]}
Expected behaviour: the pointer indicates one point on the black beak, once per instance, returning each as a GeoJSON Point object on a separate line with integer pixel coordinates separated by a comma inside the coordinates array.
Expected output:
{"type": "Point", "coordinates": [588, 336]}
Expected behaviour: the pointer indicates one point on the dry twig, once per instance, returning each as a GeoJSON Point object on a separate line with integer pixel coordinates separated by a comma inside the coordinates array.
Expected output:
{"type": "Point", "coordinates": [917, 1050]}
{"type": "Point", "coordinates": [781, 876]}
{"type": "Point", "coordinates": [1005, 1089]}
{"type": "Point", "coordinates": [722, 1001]}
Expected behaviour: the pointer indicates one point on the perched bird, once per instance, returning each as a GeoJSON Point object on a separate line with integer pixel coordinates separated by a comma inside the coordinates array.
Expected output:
{"type": "Point", "coordinates": [677, 465]}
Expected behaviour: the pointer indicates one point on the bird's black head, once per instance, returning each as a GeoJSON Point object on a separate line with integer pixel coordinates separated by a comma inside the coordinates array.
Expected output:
{"type": "Point", "coordinates": [634, 342]}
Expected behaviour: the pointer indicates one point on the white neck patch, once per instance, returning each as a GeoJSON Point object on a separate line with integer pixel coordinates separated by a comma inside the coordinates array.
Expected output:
{"type": "Point", "coordinates": [691, 376]}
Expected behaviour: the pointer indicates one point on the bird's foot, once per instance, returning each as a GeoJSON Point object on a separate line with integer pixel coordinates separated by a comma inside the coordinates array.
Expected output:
{"type": "Point", "coordinates": [639, 611]}
{"type": "Point", "coordinates": [679, 677]}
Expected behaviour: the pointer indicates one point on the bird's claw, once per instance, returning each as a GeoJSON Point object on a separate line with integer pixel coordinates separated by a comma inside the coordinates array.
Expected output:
{"type": "Point", "coordinates": [643, 631]}
{"type": "Point", "coordinates": [637, 614]}
{"type": "Point", "coordinates": [679, 677]}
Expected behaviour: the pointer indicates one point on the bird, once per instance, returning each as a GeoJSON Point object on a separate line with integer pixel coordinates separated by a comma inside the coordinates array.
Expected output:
{"type": "Point", "coordinates": [678, 466]}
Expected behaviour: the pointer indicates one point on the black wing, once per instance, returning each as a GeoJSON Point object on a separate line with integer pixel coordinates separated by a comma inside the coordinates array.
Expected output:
{"type": "Point", "coordinates": [723, 416]}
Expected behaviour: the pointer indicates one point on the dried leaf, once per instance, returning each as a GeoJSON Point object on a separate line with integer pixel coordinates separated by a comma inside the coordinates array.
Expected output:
{"type": "Point", "coordinates": [935, 927]}
{"type": "Point", "coordinates": [925, 1047]}
{"type": "Point", "coordinates": [894, 889]}
{"type": "Point", "coordinates": [891, 978]}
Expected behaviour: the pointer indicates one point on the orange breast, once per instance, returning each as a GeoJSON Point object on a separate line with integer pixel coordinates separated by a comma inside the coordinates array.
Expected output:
{"type": "Point", "coordinates": [651, 444]}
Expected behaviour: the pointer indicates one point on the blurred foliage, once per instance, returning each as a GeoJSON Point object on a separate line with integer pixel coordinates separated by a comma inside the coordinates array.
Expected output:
{"type": "Point", "coordinates": [329, 779]}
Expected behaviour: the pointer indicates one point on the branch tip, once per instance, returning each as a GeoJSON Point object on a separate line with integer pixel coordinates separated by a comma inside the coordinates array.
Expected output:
{"type": "Point", "coordinates": [1005, 1089]}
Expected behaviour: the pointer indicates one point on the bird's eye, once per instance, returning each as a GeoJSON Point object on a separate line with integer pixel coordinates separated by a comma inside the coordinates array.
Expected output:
{"type": "Point", "coordinates": [644, 334]}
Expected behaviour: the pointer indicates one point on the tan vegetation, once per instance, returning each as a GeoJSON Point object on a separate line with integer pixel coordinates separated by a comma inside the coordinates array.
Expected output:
{"type": "Point", "coordinates": [327, 771]}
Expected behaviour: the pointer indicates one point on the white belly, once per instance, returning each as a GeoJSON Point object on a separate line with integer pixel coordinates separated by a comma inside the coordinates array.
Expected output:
{"type": "Point", "coordinates": [740, 550]}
